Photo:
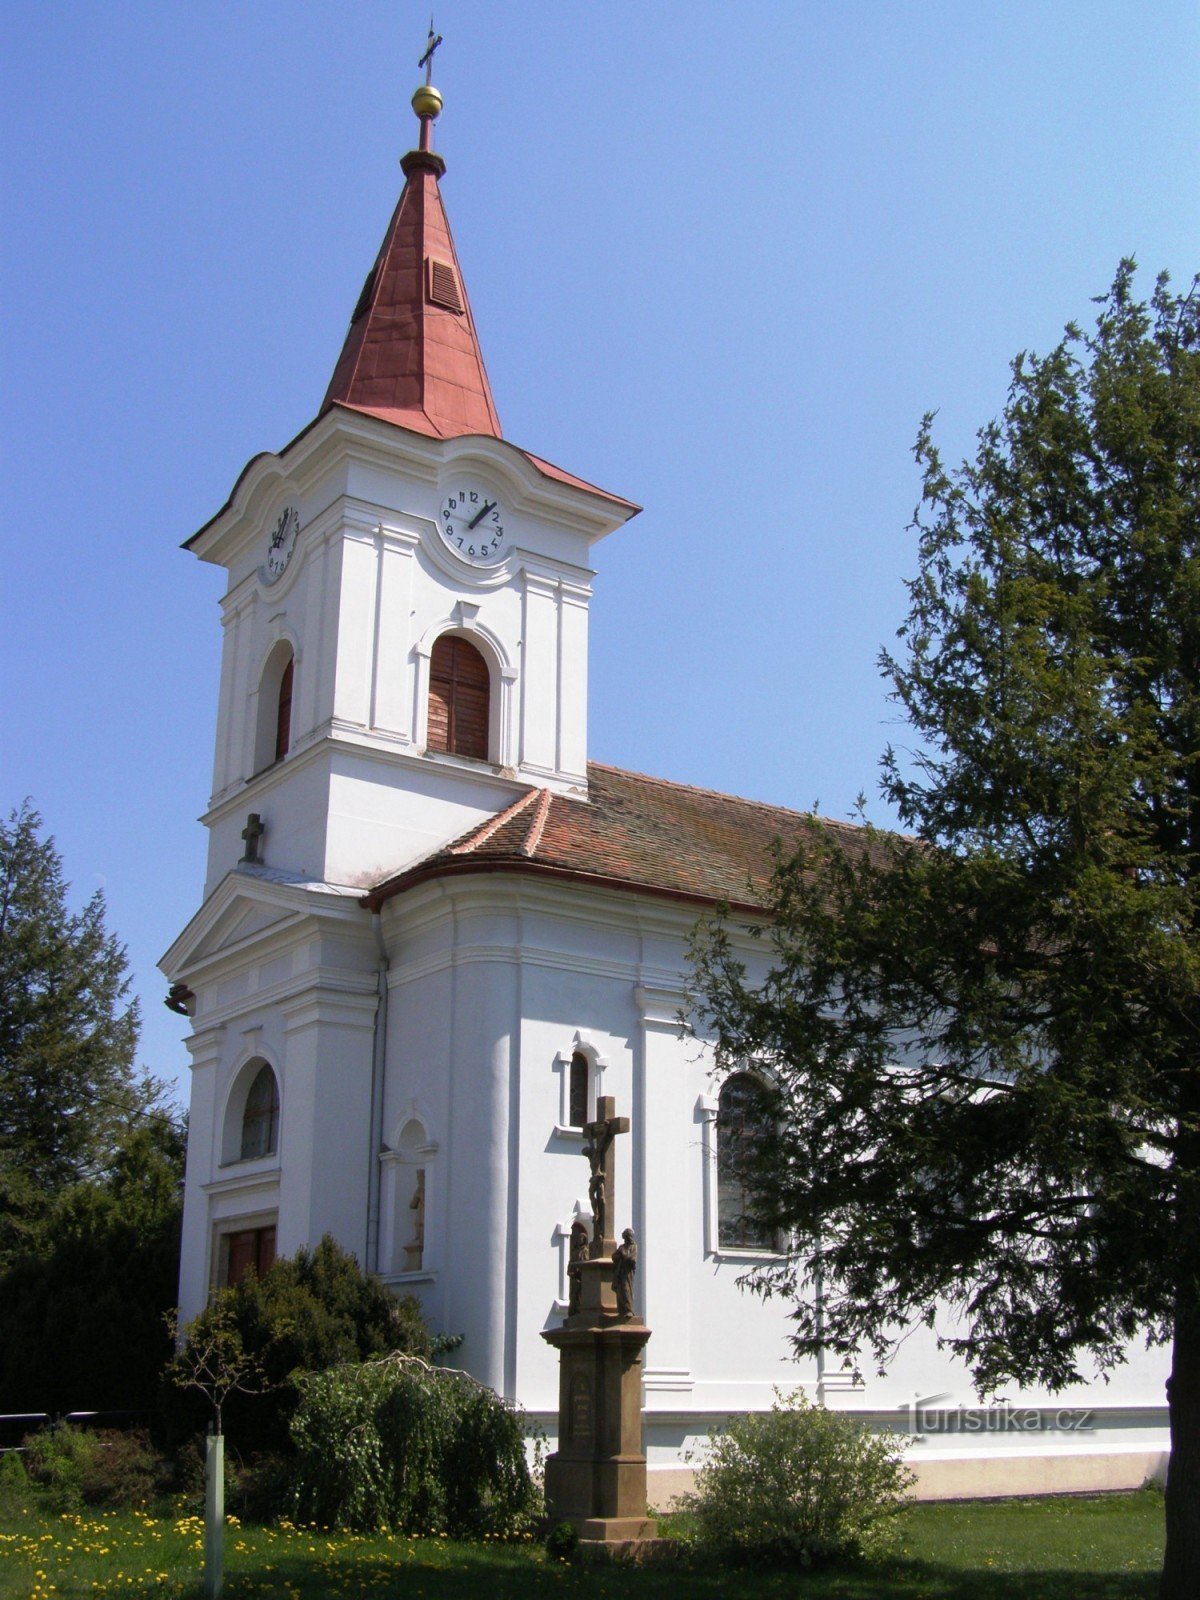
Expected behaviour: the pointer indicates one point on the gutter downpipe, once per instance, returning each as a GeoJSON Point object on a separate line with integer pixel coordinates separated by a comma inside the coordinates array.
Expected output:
{"type": "Point", "coordinates": [378, 1061]}
{"type": "Point", "coordinates": [819, 1296]}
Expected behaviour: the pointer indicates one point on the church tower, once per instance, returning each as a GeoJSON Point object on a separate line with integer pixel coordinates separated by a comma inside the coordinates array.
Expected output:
{"type": "Point", "coordinates": [405, 627]}
{"type": "Point", "coordinates": [404, 660]}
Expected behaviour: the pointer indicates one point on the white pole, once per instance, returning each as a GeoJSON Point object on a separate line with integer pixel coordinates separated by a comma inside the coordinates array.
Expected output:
{"type": "Point", "coordinates": [214, 1514]}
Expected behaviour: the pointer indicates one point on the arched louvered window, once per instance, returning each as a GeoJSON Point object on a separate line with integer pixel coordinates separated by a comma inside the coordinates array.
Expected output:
{"type": "Point", "coordinates": [273, 717]}
{"type": "Point", "coordinates": [283, 713]}
{"type": "Point", "coordinates": [260, 1120]}
{"type": "Point", "coordinates": [742, 1115]}
{"type": "Point", "coordinates": [459, 694]}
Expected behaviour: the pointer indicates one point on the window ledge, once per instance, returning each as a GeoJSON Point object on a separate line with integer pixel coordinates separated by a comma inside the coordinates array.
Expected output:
{"type": "Point", "coordinates": [465, 763]}
{"type": "Point", "coordinates": [248, 1174]}
{"type": "Point", "coordinates": [276, 762]}
{"type": "Point", "coordinates": [567, 1130]}
{"type": "Point", "coordinates": [425, 1275]}
{"type": "Point", "coordinates": [269, 1158]}
{"type": "Point", "coordinates": [729, 1252]}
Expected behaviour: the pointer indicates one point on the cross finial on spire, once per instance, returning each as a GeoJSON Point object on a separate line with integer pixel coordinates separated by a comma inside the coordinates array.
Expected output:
{"type": "Point", "coordinates": [427, 102]}
{"type": "Point", "coordinates": [431, 45]}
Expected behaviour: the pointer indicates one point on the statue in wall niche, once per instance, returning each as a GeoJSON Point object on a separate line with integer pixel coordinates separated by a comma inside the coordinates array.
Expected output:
{"type": "Point", "coordinates": [414, 1252]}
{"type": "Point", "coordinates": [577, 1252]}
{"type": "Point", "coordinates": [624, 1267]}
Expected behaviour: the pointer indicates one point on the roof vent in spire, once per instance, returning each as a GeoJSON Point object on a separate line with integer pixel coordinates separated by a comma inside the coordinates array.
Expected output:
{"type": "Point", "coordinates": [443, 287]}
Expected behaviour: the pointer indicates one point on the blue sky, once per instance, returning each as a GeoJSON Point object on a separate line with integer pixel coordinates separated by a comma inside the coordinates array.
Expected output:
{"type": "Point", "coordinates": [722, 258]}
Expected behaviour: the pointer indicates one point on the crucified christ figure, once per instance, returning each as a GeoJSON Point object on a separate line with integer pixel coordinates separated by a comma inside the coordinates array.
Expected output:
{"type": "Point", "coordinates": [602, 1182]}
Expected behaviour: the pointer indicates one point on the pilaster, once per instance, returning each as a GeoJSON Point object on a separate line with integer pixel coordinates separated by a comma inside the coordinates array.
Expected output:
{"type": "Point", "coordinates": [663, 1195]}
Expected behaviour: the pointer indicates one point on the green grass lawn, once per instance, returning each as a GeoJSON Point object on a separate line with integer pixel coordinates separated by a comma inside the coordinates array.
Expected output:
{"type": "Point", "coordinates": [1096, 1548]}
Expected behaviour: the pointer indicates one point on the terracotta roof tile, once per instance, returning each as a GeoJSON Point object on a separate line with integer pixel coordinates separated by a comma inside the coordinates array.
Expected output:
{"type": "Point", "coordinates": [632, 832]}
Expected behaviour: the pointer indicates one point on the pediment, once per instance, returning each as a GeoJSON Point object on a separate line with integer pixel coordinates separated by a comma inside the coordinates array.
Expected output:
{"type": "Point", "coordinates": [239, 923]}
{"type": "Point", "coordinates": [240, 913]}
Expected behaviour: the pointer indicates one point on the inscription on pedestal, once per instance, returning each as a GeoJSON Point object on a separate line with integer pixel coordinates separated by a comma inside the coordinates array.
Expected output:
{"type": "Point", "coordinates": [580, 1409]}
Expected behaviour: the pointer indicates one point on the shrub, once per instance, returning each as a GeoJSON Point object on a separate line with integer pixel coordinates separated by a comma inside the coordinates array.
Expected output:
{"type": "Point", "coordinates": [306, 1313]}
{"type": "Point", "coordinates": [94, 1467]}
{"type": "Point", "coordinates": [396, 1443]}
{"type": "Point", "coordinates": [562, 1541]}
{"type": "Point", "coordinates": [14, 1483]}
{"type": "Point", "coordinates": [798, 1485]}
{"type": "Point", "coordinates": [261, 1487]}
{"type": "Point", "coordinates": [258, 1488]}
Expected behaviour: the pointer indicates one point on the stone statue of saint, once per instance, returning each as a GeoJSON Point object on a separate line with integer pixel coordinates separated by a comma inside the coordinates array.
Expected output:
{"type": "Point", "coordinates": [624, 1267]}
{"type": "Point", "coordinates": [577, 1251]}
{"type": "Point", "coordinates": [414, 1251]}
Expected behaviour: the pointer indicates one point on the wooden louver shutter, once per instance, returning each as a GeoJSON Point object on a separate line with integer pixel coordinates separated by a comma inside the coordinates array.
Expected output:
{"type": "Point", "coordinates": [459, 691]}
{"type": "Point", "coordinates": [283, 720]}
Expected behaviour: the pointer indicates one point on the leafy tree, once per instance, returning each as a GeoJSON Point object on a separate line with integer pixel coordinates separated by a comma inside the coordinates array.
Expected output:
{"type": "Point", "coordinates": [67, 1031]}
{"type": "Point", "coordinates": [213, 1361]}
{"type": "Point", "coordinates": [82, 1305]}
{"type": "Point", "coordinates": [985, 1037]}
{"type": "Point", "coordinates": [305, 1313]}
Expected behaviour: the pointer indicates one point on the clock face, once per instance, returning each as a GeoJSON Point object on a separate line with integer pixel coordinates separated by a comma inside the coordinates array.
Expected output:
{"type": "Point", "coordinates": [283, 541]}
{"type": "Point", "coordinates": [472, 523]}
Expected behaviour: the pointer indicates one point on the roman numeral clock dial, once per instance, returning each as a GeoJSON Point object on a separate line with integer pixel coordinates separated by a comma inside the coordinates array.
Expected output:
{"type": "Point", "coordinates": [472, 523]}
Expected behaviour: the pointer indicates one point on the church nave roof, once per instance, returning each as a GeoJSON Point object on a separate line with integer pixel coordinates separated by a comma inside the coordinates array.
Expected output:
{"type": "Point", "coordinates": [633, 832]}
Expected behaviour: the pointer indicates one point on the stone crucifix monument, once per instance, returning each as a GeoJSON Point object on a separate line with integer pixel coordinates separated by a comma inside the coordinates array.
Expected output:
{"type": "Point", "coordinates": [596, 1479]}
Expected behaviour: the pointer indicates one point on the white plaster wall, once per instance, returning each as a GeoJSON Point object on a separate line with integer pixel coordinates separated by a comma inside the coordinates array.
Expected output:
{"type": "Point", "coordinates": [292, 800]}
{"type": "Point", "coordinates": [388, 814]}
{"type": "Point", "coordinates": [202, 1122]}
{"type": "Point", "coordinates": [494, 982]}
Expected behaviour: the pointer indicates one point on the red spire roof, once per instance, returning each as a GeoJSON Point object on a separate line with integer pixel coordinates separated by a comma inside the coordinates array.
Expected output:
{"type": "Point", "coordinates": [412, 356]}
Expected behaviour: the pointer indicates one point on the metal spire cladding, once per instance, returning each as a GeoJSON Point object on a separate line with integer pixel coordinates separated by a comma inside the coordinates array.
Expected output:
{"type": "Point", "coordinates": [412, 355]}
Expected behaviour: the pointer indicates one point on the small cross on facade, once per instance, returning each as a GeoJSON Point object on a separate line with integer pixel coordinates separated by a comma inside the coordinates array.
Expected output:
{"type": "Point", "coordinates": [426, 60]}
{"type": "Point", "coordinates": [603, 1181]}
{"type": "Point", "coordinates": [252, 833]}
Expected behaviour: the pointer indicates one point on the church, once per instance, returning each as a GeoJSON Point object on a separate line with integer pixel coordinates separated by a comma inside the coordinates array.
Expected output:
{"type": "Point", "coordinates": [433, 933]}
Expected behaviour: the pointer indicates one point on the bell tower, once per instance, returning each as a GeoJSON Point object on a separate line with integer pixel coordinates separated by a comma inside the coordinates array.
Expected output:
{"type": "Point", "coordinates": [405, 624]}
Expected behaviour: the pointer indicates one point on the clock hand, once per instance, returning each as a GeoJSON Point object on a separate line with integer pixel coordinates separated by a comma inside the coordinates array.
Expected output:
{"type": "Point", "coordinates": [479, 515]}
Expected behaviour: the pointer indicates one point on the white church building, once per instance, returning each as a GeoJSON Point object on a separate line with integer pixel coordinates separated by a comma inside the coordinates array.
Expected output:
{"type": "Point", "coordinates": [433, 932]}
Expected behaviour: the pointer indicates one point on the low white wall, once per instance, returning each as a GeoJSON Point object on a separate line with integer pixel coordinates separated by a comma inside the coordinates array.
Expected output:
{"type": "Point", "coordinates": [985, 1478]}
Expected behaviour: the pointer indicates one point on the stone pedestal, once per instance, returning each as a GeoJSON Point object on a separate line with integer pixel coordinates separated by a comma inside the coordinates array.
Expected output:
{"type": "Point", "coordinates": [596, 1479]}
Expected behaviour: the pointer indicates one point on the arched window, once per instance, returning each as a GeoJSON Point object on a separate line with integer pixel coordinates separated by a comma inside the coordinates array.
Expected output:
{"type": "Point", "coordinates": [273, 729]}
{"type": "Point", "coordinates": [260, 1119]}
{"type": "Point", "coordinates": [283, 712]}
{"type": "Point", "coordinates": [459, 694]}
{"type": "Point", "coordinates": [577, 1091]}
{"type": "Point", "coordinates": [742, 1114]}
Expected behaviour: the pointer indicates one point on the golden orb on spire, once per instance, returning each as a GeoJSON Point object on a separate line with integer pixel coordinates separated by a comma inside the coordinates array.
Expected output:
{"type": "Point", "coordinates": [426, 101]}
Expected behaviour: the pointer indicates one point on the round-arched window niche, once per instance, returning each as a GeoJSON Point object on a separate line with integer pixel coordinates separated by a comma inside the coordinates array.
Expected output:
{"type": "Point", "coordinates": [251, 1128]}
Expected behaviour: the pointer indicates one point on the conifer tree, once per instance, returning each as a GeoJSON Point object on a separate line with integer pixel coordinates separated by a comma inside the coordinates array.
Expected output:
{"type": "Point", "coordinates": [68, 1030]}
{"type": "Point", "coordinates": [984, 1036]}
